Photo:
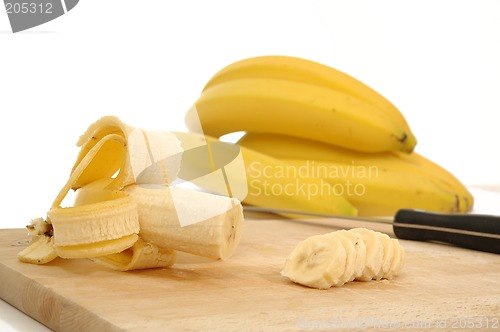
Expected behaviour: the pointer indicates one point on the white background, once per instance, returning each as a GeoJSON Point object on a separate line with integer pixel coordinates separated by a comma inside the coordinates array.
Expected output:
{"type": "Point", "coordinates": [146, 62]}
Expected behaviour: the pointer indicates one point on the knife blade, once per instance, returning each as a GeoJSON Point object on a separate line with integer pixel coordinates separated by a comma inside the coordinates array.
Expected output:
{"type": "Point", "coordinates": [479, 232]}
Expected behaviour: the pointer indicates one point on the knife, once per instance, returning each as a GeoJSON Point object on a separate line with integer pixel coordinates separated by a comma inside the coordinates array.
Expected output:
{"type": "Point", "coordinates": [471, 231]}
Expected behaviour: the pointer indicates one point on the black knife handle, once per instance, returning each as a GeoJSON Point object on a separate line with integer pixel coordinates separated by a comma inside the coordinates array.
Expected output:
{"type": "Point", "coordinates": [471, 231]}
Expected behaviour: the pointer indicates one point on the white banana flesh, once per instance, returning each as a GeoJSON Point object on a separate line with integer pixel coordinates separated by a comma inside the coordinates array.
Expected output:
{"type": "Point", "coordinates": [397, 261]}
{"type": "Point", "coordinates": [318, 262]}
{"type": "Point", "coordinates": [374, 253]}
{"type": "Point", "coordinates": [350, 261]}
{"type": "Point", "coordinates": [359, 251]}
{"type": "Point", "coordinates": [327, 260]}
{"type": "Point", "coordinates": [215, 237]}
{"type": "Point", "coordinates": [388, 256]}
{"type": "Point", "coordinates": [80, 225]}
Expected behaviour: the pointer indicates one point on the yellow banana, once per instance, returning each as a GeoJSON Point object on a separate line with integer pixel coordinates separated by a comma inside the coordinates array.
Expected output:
{"type": "Point", "coordinates": [380, 192]}
{"type": "Point", "coordinates": [299, 109]}
{"type": "Point", "coordinates": [440, 172]}
{"type": "Point", "coordinates": [123, 222]}
{"type": "Point", "coordinates": [270, 187]}
{"type": "Point", "coordinates": [306, 71]}
{"type": "Point", "coordinates": [288, 147]}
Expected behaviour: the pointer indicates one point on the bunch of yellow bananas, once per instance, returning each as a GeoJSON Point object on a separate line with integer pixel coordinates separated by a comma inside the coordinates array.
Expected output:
{"type": "Point", "coordinates": [319, 140]}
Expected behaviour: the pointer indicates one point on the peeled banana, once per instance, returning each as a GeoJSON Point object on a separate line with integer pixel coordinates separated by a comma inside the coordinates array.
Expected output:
{"type": "Point", "coordinates": [135, 219]}
{"type": "Point", "coordinates": [332, 259]}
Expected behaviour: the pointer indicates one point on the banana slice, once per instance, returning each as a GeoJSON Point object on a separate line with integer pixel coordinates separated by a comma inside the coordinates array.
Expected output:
{"type": "Point", "coordinates": [388, 253]}
{"type": "Point", "coordinates": [374, 253]}
{"type": "Point", "coordinates": [318, 261]}
{"type": "Point", "coordinates": [351, 254]}
{"type": "Point", "coordinates": [401, 260]}
{"type": "Point", "coordinates": [397, 260]}
{"type": "Point", "coordinates": [360, 252]}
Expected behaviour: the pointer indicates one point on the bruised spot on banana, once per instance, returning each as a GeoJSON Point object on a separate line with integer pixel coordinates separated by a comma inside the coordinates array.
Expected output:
{"type": "Point", "coordinates": [333, 259]}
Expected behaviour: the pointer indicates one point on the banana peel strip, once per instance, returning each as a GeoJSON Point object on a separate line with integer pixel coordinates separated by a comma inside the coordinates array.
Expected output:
{"type": "Point", "coordinates": [142, 255]}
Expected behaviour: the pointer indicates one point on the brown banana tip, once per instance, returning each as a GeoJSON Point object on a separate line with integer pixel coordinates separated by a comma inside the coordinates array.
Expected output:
{"type": "Point", "coordinates": [403, 138]}
{"type": "Point", "coordinates": [407, 144]}
{"type": "Point", "coordinates": [468, 204]}
{"type": "Point", "coordinates": [457, 203]}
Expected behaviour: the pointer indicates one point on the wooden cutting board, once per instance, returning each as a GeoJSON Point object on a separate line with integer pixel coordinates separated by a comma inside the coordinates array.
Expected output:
{"type": "Point", "coordinates": [440, 287]}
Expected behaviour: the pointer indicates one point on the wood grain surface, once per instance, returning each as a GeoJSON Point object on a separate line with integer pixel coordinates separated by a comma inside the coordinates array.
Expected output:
{"type": "Point", "coordinates": [440, 288]}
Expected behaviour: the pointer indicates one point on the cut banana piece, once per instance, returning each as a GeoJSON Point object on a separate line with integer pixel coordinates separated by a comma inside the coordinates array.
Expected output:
{"type": "Point", "coordinates": [317, 262]}
{"type": "Point", "coordinates": [374, 254]}
{"type": "Point", "coordinates": [350, 263]}
{"type": "Point", "coordinates": [397, 260]}
{"type": "Point", "coordinates": [332, 259]}
{"type": "Point", "coordinates": [388, 252]}
{"type": "Point", "coordinates": [212, 224]}
{"type": "Point", "coordinates": [359, 252]}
